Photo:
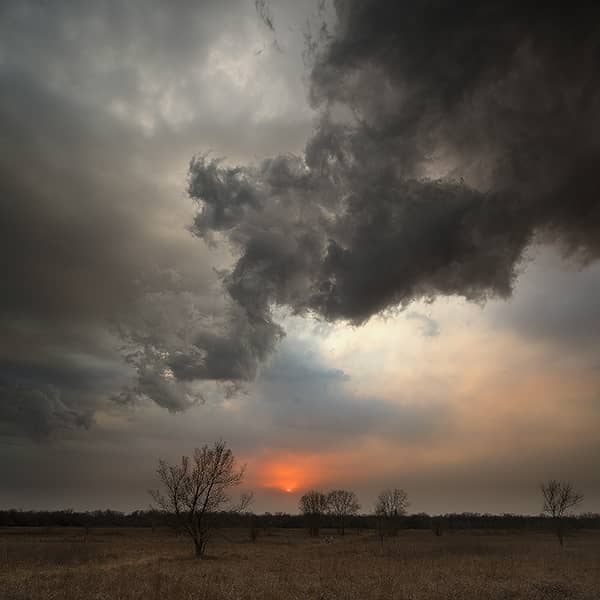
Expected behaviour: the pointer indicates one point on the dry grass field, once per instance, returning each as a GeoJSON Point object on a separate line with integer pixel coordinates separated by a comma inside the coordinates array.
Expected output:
{"type": "Point", "coordinates": [112, 564]}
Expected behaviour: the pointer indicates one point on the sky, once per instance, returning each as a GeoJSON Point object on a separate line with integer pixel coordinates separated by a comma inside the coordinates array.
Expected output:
{"type": "Point", "coordinates": [357, 240]}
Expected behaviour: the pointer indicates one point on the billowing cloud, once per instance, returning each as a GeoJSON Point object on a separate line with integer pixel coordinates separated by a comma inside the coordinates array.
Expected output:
{"type": "Point", "coordinates": [450, 137]}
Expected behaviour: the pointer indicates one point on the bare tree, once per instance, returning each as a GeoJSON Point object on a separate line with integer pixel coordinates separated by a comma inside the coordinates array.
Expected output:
{"type": "Point", "coordinates": [253, 529]}
{"type": "Point", "coordinates": [194, 490]}
{"type": "Point", "coordinates": [342, 504]}
{"type": "Point", "coordinates": [313, 505]}
{"type": "Point", "coordinates": [559, 498]}
{"type": "Point", "coordinates": [389, 507]}
{"type": "Point", "coordinates": [437, 525]}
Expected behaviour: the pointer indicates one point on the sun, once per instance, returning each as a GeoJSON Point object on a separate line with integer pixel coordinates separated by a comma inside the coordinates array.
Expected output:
{"type": "Point", "coordinates": [285, 474]}
{"type": "Point", "coordinates": [286, 484]}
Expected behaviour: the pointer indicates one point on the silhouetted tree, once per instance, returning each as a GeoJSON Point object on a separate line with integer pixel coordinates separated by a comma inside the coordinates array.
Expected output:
{"type": "Point", "coordinates": [559, 498]}
{"type": "Point", "coordinates": [342, 504]}
{"type": "Point", "coordinates": [253, 529]}
{"type": "Point", "coordinates": [389, 507]}
{"type": "Point", "coordinates": [197, 488]}
{"type": "Point", "coordinates": [313, 505]}
{"type": "Point", "coordinates": [437, 525]}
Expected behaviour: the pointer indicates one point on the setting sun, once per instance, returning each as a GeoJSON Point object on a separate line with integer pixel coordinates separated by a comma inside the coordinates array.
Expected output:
{"type": "Point", "coordinates": [288, 474]}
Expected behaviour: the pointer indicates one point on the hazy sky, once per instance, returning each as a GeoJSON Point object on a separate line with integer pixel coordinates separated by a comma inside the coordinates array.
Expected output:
{"type": "Point", "coordinates": [357, 240]}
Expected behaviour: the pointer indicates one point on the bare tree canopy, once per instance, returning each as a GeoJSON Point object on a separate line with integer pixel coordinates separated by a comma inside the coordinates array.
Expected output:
{"type": "Point", "coordinates": [198, 487]}
{"type": "Point", "coordinates": [313, 505]}
{"type": "Point", "coordinates": [391, 503]}
{"type": "Point", "coordinates": [389, 507]}
{"type": "Point", "coordinates": [313, 502]}
{"type": "Point", "coordinates": [342, 504]}
{"type": "Point", "coordinates": [559, 498]}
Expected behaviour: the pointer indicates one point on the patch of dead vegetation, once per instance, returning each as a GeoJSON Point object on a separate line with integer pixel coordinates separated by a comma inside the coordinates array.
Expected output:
{"type": "Point", "coordinates": [286, 564]}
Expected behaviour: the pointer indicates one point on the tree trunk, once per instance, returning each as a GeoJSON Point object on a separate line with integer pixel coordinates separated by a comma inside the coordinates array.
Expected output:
{"type": "Point", "coordinates": [559, 532]}
{"type": "Point", "coordinates": [199, 546]}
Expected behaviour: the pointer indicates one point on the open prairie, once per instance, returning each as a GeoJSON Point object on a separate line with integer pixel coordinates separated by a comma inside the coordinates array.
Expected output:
{"type": "Point", "coordinates": [130, 564]}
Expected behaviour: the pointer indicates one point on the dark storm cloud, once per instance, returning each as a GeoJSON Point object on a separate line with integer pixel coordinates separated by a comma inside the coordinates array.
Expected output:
{"type": "Point", "coordinates": [234, 356]}
{"type": "Point", "coordinates": [450, 136]}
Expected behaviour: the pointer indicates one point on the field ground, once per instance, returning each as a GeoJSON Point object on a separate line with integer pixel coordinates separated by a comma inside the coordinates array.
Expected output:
{"type": "Point", "coordinates": [117, 564]}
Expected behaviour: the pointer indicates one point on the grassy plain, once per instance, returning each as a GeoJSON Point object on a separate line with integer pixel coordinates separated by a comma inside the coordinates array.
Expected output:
{"type": "Point", "coordinates": [115, 564]}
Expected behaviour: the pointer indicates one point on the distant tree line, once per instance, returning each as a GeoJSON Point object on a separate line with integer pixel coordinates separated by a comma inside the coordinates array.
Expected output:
{"type": "Point", "coordinates": [72, 518]}
{"type": "Point", "coordinates": [266, 521]}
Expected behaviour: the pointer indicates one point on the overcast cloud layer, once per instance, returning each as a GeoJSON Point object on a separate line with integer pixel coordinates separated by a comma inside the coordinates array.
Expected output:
{"type": "Point", "coordinates": [349, 160]}
{"type": "Point", "coordinates": [101, 109]}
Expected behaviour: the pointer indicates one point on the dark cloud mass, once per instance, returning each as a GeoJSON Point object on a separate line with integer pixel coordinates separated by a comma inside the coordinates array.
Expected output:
{"type": "Point", "coordinates": [450, 135]}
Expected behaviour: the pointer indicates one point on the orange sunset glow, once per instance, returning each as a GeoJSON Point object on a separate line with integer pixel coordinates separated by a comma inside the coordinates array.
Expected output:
{"type": "Point", "coordinates": [288, 474]}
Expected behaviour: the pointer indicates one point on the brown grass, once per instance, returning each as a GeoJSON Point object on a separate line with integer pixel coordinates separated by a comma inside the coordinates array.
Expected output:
{"type": "Point", "coordinates": [114, 564]}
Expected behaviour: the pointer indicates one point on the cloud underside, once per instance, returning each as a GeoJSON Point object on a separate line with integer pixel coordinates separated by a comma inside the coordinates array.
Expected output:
{"type": "Point", "coordinates": [449, 138]}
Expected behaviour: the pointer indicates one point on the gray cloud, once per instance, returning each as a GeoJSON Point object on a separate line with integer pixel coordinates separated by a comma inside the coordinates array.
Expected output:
{"type": "Point", "coordinates": [555, 304]}
{"type": "Point", "coordinates": [264, 12]}
{"type": "Point", "coordinates": [449, 137]}
{"type": "Point", "coordinates": [39, 410]}
{"type": "Point", "coordinates": [104, 291]}
{"type": "Point", "coordinates": [77, 262]}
